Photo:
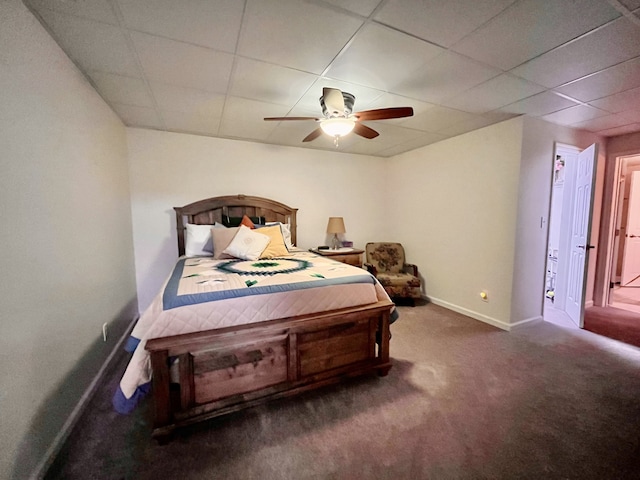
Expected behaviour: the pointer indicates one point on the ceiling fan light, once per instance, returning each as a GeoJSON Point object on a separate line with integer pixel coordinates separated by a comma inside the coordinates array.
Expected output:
{"type": "Point", "coordinates": [337, 127]}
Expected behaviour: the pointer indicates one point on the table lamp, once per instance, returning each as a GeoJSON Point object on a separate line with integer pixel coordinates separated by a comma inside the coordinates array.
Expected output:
{"type": "Point", "coordinates": [335, 226]}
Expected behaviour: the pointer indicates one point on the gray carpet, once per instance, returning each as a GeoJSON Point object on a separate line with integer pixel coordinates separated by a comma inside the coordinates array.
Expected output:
{"type": "Point", "coordinates": [463, 401]}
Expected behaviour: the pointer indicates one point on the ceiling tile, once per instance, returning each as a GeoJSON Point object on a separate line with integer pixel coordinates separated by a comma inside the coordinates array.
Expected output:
{"type": "Point", "coordinates": [619, 102]}
{"type": "Point", "coordinates": [389, 135]}
{"type": "Point", "coordinates": [133, 116]}
{"type": "Point", "coordinates": [439, 22]}
{"type": "Point", "coordinates": [380, 57]}
{"type": "Point", "coordinates": [187, 100]}
{"type": "Point", "coordinates": [291, 133]}
{"type": "Point", "coordinates": [272, 28]}
{"type": "Point", "coordinates": [163, 66]}
{"type": "Point", "coordinates": [191, 123]}
{"type": "Point", "coordinates": [475, 123]}
{"type": "Point", "coordinates": [494, 93]}
{"type": "Point", "coordinates": [444, 76]}
{"type": "Point", "coordinates": [245, 118]}
{"type": "Point", "coordinates": [120, 89]}
{"type": "Point", "coordinates": [388, 100]}
{"type": "Point", "coordinates": [436, 119]}
{"type": "Point", "coordinates": [269, 83]}
{"type": "Point", "coordinates": [540, 104]}
{"type": "Point", "coordinates": [177, 63]}
{"type": "Point", "coordinates": [210, 23]}
{"type": "Point", "coordinates": [602, 48]}
{"type": "Point", "coordinates": [361, 7]}
{"type": "Point", "coordinates": [579, 113]}
{"type": "Point", "coordinates": [393, 134]}
{"type": "Point", "coordinates": [93, 45]}
{"type": "Point", "coordinates": [423, 140]}
{"type": "Point", "coordinates": [531, 27]}
{"type": "Point", "coordinates": [99, 10]}
{"type": "Point", "coordinates": [618, 78]}
{"type": "Point", "coordinates": [633, 114]}
{"type": "Point", "coordinates": [631, 4]}
{"type": "Point", "coordinates": [605, 122]}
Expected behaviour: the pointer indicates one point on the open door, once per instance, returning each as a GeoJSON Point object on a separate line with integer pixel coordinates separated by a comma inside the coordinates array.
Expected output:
{"type": "Point", "coordinates": [631, 255]}
{"type": "Point", "coordinates": [580, 234]}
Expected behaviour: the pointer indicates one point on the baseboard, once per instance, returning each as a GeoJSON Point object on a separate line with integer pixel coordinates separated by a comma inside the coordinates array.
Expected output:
{"type": "Point", "coordinates": [55, 447]}
{"type": "Point", "coordinates": [484, 318]}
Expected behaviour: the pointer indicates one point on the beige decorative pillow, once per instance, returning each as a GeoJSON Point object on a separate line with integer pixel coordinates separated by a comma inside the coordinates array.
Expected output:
{"type": "Point", "coordinates": [286, 233]}
{"type": "Point", "coordinates": [222, 237]}
{"type": "Point", "coordinates": [247, 244]}
{"type": "Point", "coordinates": [276, 247]}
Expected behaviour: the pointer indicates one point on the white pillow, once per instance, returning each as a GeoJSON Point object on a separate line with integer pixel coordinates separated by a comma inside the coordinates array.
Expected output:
{"type": "Point", "coordinates": [247, 244]}
{"type": "Point", "coordinates": [198, 240]}
{"type": "Point", "coordinates": [285, 228]}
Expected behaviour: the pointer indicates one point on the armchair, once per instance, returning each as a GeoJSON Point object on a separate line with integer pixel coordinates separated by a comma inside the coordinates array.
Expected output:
{"type": "Point", "coordinates": [386, 262]}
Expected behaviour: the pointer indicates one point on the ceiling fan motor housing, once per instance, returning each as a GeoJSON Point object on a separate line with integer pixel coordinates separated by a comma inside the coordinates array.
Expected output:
{"type": "Point", "coordinates": [349, 100]}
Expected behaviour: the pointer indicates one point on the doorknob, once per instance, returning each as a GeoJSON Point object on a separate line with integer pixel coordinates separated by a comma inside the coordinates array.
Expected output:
{"type": "Point", "coordinates": [589, 247]}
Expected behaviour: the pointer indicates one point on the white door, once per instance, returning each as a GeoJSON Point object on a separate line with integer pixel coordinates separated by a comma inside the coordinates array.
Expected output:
{"type": "Point", "coordinates": [631, 256]}
{"type": "Point", "coordinates": [580, 234]}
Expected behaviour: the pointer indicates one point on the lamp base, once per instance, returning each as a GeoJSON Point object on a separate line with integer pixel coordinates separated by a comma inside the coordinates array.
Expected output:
{"type": "Point", "coordinates": [335, 242]}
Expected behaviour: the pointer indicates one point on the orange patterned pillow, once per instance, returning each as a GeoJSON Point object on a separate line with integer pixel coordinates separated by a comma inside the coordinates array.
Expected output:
{"type": "Point", "coordinates": [246, 221]}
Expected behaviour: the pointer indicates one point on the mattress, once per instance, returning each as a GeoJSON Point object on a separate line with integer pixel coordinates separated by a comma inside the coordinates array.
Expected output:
{"type": "Point", "coordinates": [204, 294]}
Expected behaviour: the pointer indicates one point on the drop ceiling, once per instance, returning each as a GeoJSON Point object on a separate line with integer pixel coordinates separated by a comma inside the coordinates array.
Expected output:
{"type": "Point", "coordinates": [217, 67]}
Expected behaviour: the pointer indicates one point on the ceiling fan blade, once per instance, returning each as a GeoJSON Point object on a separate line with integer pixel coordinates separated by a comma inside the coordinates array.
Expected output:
{"type": "Point", "coordinates": [364, 131]}
{"type": "Point", "coordinates": [279, 119]}
{"type": "Point", "coordinates": [313, 135]}
{"type": "Point", "coordinates": [385, 113]}
{"type": "Point", "coordinates": [333, 100]}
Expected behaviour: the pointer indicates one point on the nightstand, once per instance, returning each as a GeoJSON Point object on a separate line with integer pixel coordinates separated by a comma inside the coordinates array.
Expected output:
{"type": "Point", "coordinates": [351, 256]}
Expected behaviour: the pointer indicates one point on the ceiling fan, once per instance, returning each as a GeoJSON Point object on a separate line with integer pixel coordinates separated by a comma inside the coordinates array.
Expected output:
{"type": "Point", "coordinates": [338, 121]}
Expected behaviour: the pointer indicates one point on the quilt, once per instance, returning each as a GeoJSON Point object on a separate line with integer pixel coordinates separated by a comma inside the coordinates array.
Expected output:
{"type": "Point", "coordinates": [203, 294]}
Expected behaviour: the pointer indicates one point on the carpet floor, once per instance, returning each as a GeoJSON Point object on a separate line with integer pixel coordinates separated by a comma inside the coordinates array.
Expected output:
{"type": "Point", "coordinates": [463, 400]}
{"type": "Point", "coordinates": [614, 323]}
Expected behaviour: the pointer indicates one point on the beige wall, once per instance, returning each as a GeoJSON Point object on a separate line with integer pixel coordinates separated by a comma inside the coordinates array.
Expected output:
{"type": "Point", "coordinates": [172, 169]}
{"type": "Point", "coordinates": [67, 256]}
{"type": "Point", "coordinates": [455, 211]}
{"type": "Point", "coordinates": [624, 144]}
{"type": "Point", "coordinates": [473, 214]}
{"type": "Point", "coordinates": [534, 189]}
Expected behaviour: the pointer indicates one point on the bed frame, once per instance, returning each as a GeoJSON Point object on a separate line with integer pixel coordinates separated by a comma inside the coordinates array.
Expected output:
{"type": "Point", "coordinates": [228, 369]}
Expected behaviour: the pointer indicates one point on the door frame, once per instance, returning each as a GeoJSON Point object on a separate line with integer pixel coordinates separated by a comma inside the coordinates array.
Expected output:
{"type": "Point", "coordinates": [606, 233]}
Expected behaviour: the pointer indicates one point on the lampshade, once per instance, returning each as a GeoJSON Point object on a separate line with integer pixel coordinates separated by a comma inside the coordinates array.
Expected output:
{"type": "Point", "coordinates": [336, 225]}
{"type": "Point", "coordinates": [337, 127]}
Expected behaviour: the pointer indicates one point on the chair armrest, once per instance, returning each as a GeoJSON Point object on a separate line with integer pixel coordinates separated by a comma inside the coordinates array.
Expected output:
{"type": "Point", "coordinates": [371, 269]}
{"type": "Point", "coordinates": [410, 268]}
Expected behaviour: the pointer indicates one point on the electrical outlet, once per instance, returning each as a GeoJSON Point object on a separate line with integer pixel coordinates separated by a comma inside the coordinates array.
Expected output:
{"type": "Point", "coordinates": [104, 331]}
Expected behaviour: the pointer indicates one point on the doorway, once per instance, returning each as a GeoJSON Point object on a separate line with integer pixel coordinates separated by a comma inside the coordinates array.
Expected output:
{"type": "Point", "coordinates": [569, 233]}
{"type": "Point", "coordinates": [624, 286]}
{"type": "Point", "coordinates": [557, 245]}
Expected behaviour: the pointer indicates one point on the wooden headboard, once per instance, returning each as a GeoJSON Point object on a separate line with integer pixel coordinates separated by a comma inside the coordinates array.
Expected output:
{"type": "Point", "coordinates": [211, 210]}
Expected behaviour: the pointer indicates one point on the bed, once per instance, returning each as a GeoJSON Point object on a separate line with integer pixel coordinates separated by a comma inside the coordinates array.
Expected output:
{"type": "Point", "coordinates": [290, 323]}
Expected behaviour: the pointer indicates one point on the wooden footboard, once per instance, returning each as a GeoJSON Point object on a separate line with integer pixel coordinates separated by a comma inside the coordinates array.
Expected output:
{"type": "Point", "coordinates": [221, 371]}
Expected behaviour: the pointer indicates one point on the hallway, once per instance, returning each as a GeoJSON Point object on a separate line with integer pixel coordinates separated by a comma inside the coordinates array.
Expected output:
{"type": "Point", "coordinates": [619, 321]}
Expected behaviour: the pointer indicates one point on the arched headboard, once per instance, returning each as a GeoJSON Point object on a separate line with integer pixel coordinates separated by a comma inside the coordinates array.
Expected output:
{"type": "Point", "coordinates": [211, 210]}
